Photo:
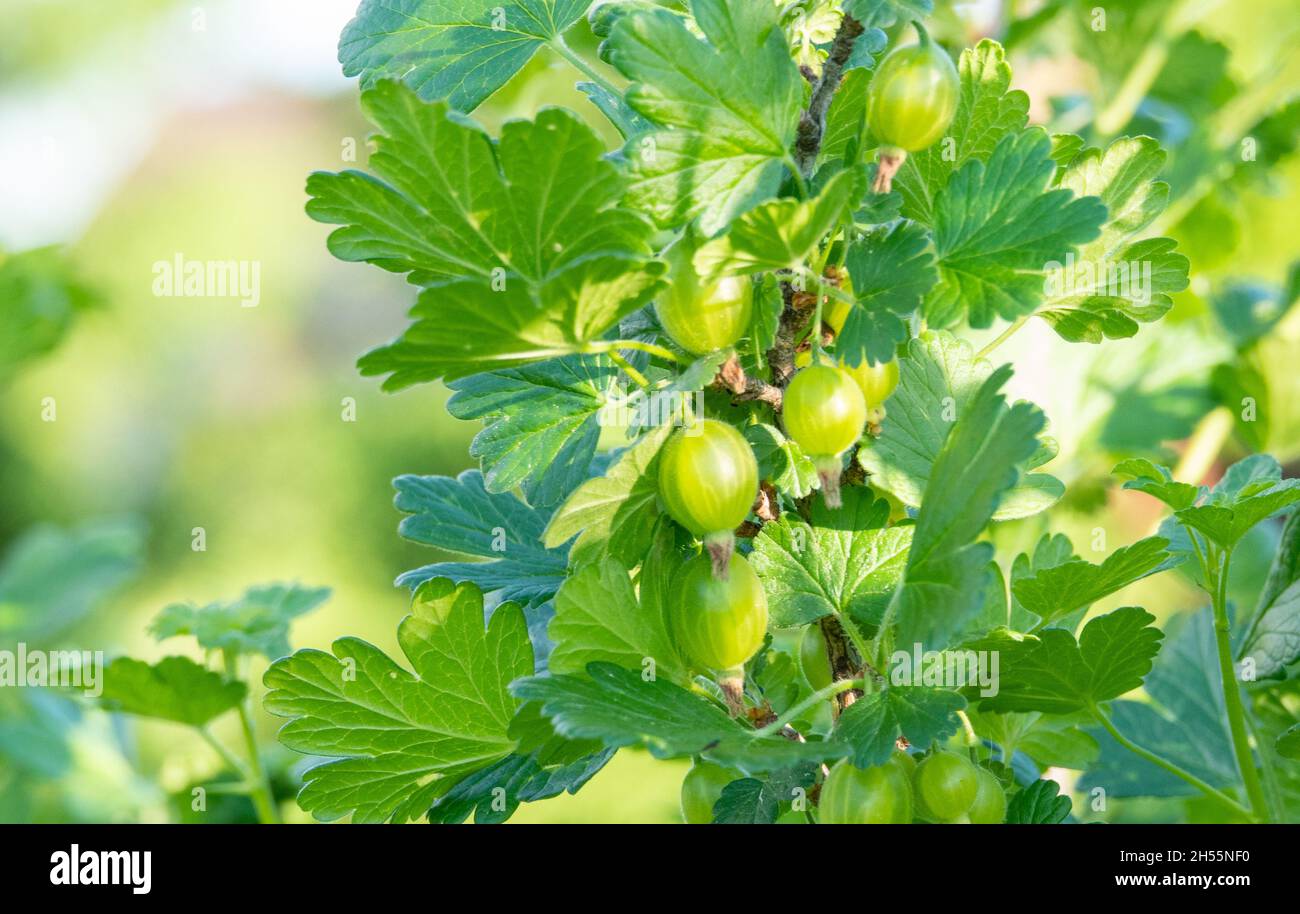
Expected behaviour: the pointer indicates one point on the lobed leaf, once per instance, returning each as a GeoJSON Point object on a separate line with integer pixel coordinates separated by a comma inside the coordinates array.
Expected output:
{"type": "Point", "coordinates": [174, 688]}
{"type": "Point", "coordinates": [393, 733]}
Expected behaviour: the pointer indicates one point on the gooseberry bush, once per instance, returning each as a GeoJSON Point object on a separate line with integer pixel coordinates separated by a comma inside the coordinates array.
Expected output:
{"type": "Point", "coordinates": [741, 460]}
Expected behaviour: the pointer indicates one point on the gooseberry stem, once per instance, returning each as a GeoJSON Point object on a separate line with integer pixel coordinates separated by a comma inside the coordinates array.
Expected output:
{"type": "Point", "coordinates": [605, 347]}
{"type": "Point", "coordinates": [822, 694]}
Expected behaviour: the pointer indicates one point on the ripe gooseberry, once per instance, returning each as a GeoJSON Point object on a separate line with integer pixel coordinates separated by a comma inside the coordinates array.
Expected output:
{"type": "Point", "coordinates": [701, 314]}
{"type": "Point", "coordinates": [911, 101]}
{"type": "Point", "coordinates": [824, 413]}
{"type": "Point", "coordinates": [880, 795]}
{"type": "Point", "coordinates": [946, 784]}
{"type": "Point", "coordinates": [708, 480]}
{"type": "Point", "coordinates": [876, 382]}
{"type": "Point", "coordinates": [701, 788]}
{"type": "Point", "coordinates": [719, 623]}
{"type": "Point", "coordinates": [990, 806]}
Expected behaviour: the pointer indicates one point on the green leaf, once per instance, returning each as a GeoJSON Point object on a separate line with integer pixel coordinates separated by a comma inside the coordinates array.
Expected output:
{"type": "Point", "coordinates": [1055, 674]}
{"type": "Point", "coordinates": [1115, 283]}
{"type": "Point", "coordinates": [1053, 593]}
{"type": "Point", "coordinates": [873, 723]}
{"type": "Point", "coordinates": [1272, 640]}
{"type": "Point", "coordinates": [746, 801]}
{"type": "Point", "coordinates": [460, 515]}
{"type": "Point", "coordinates": [987, 110]}
{"type": "Point", "coordinates": [51, 578]}
{"type": "Point", "coordinates": [598, 618]}
{"type": "Point", "coordinates": [1038, 804]}
{"type": "Point", "coordinates": [544, 765]}
{"type": "Point", "coordinates": [174, 688]}
{"type": "Point", "coordinates": [256, 623]}
{"type": "Point", "coordinates": [1185, 721]}
{"type": "Point", "coordinates": [614, 514]}
{"type": "Point", "coordinates": [768, 305]}
{"type": "Point", "coordinates": [542, 423]}
{"type": "Point", "coordinates": [781, 461]}
{"type": "Point", "coordinates": [1288, 744]}
{"type": "Point", "coordinates": [938, 379]}
{"type": "Point", "coordinates": [728, 106]}
{"type": "Point", "coordinates": [892, 271]}
{"type": "Point", "coordinates": [1157, 482]}
{"type": "Point", "coordinates": [780, 233]}
{"type": "Point", "coordinates": [618, 707]}
{"type": "Point", "coordinates": [844, 119]}
{"type": "Point", "coordinates": [1226, 524]}
{"type": "Point", "coordinates": [884, 13]}
{"type": "Point", "coordinates": [461, 50]}
{"type": "Point", "coordinates": [615, 108]}
{"type": "Point", "coordinates": [1050, 550]}
{"type": "Point", "coordinates": [40, 299]}
{"type": "Point", "coordinates": [393, 734]}
{"type": "Point", "coordinates": [945, 583]}
{"type": "Point", "coordinates": [997, 225]}
{"type": "Point", "coordinates": [845, 560]}
{"type": "Point", "coordinates": [519, 246]}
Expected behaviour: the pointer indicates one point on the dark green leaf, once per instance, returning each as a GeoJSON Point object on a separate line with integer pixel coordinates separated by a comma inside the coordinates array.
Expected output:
{"type": "Point", "coordinates": [746, 801]}
{"type": "Point", "coordinates": [1038, 804]}
{"type": "Point", "coordinates": [847, 560]}
{"type": "Point", "coordinates": [542, 423]}
{"type": "Point", "coordinates": [394, 734]}
{"type": "Point", "coordinates": [1055, 674]}
{"type": "Point", "coordinates": [892, 271]}
{"type": "Point", "coordinates": [620, 708]}
{"type": "Point", "coordinates": [460, 515]}
{"type": "Point", "coordinates": [1272, 641]}
{"type": "Point", "coordinates": [873, 724]}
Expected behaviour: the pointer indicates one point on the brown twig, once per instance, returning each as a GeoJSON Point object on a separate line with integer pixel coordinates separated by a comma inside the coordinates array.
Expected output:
{"type": "Point", "coordinates": [841, 658]}
{"type": "Point", "coordinates": [812, 124]}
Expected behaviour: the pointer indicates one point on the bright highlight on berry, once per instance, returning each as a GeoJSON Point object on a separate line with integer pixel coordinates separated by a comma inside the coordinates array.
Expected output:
{"type": "Point", "coordinates": [708, 480]}
{"type": "Point", "coordinates": [910, 103]}
{"type": "Point", "coordinates": [824, 413]}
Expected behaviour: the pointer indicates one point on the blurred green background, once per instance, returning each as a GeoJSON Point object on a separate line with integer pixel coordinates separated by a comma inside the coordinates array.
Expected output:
{"type": "Point", "coordinates": [133, 131]}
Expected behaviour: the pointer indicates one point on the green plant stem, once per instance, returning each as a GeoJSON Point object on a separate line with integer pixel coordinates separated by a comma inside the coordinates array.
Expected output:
{"type": "Point", "coordinates": [1104, 719]}
{"type": "Point", "coordinates": [260, 784]}
{"type": "Point", "coordinates": [800, 184]}
{"type": "Point", "coordinates": [830, 691]}
{"type": "Point", "coordinates": [1232, 693]}
{"type": "Point", "coordinates": [1004, 336]}
{"type": "Point", "coordinates": [261, 796]}
{"type": "Point", "coordinates": [561, 47]}
{"type": "Point", "coordinates": [607, 347]}
{"type": "Point", "coordinates": [226, 755]}
{"type": "Point", "coordinates": [637, 377]}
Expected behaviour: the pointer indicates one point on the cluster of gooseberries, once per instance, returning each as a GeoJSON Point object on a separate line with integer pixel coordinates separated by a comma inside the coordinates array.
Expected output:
{"type": "Point", "coordinates": [708, 481]}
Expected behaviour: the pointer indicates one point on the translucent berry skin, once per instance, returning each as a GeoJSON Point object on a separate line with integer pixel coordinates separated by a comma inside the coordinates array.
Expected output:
{"type": "Point", "coordinates": [990, 806]}
{"type": "Point", "coordinates": [708, 477]}
{"type": "Point", "coordinates": [874, 796]}
{"type": "Point", "coordinates": [704, 316]}
{"type": "Point", "coordinates": [701, 788]}
{"type": "Point", "coordinates": [876, 382]}
{"type": "Point", "coordinates": [912, 96]}
{"type": "Point", "coordinates": [718, 623]}
{"type": "Point", "coordinates": [824, 410]}
{"type": "Point", "coordinates": [946, 785]}
{"type": "Point", "coordinates": [813, 657]}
